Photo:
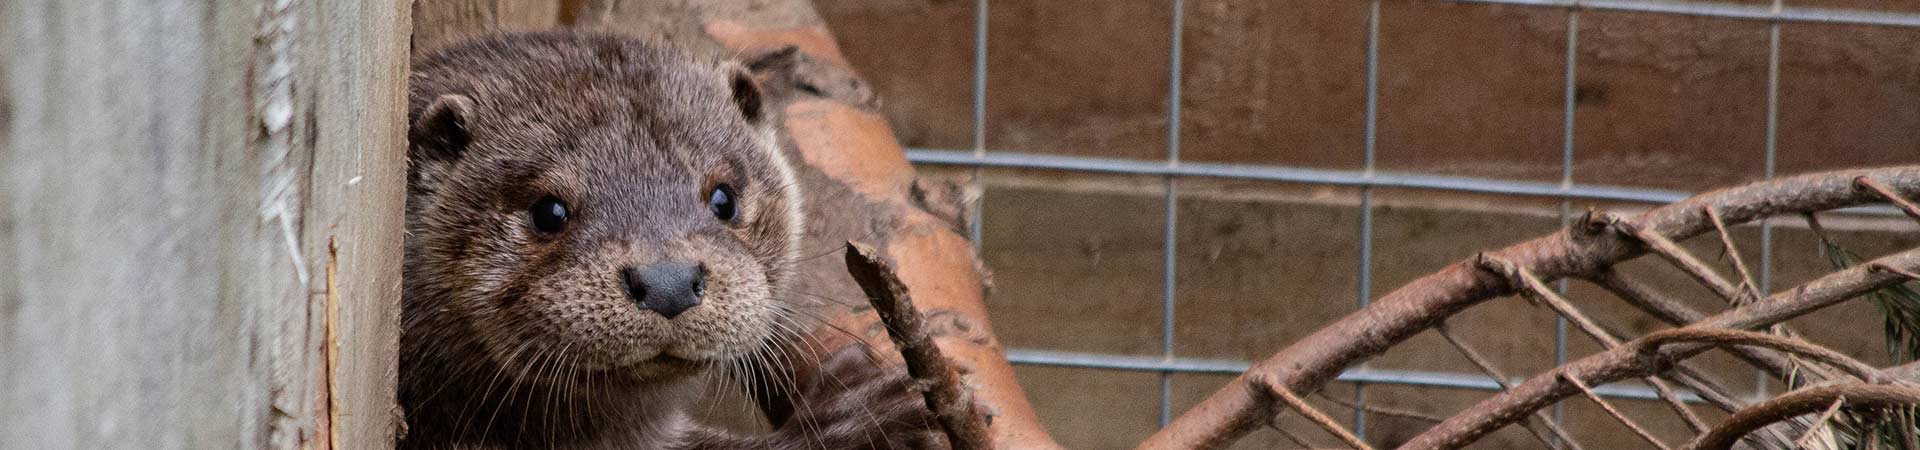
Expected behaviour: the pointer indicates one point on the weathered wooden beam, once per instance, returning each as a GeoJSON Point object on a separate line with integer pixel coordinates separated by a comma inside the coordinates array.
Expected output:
{"type": "Point", "coordinates": [352, 82]}
{"type": "Point", "coordinates": [199, 204]}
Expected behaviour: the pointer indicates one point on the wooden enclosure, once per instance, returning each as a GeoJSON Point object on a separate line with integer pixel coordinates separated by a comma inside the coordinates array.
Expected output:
{"type": "Point", "coordinates": [202, 202]}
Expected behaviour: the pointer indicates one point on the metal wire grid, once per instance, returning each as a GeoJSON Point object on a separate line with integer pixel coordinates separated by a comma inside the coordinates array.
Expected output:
{"type": "Point", "coordinates": [1367, 179]}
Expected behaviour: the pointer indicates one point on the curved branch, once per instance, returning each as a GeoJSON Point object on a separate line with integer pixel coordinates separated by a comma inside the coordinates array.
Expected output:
{"type": "Point", "coordinates": [1674, 312]}
{"type": "Point", "coordinates": [1819, 424]}
{"type": "Point", "coordinates": [1725, 337]}
{"type": "Point", "coordinates": [1802, 402]}
{"type": "Point", "coordinates": [1587, 247]}
{"type": "Point", "coordinates": [1539, 290]}
{"type": "Point", "coordinates": [1631, 361]}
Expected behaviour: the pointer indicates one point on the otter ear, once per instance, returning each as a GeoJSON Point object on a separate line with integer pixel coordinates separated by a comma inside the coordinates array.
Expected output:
{"type": "Point", "coordinates": [747, 96]}
{"type": "Point", "coordinates": [440, 131]}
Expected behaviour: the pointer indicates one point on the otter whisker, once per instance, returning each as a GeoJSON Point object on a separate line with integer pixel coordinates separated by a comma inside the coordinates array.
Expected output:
{"type": "Point", "coordinates": [715, 376]}
{"type": "Point", "coordinates": [513, 388]}
{"type": "Point", "coordinates": [554, 391]}
{"type": "Point", "coordinates": [836, 246]}
{"type": "Point", "coordinates": [486, 395]}
{"type": "Point", "coordinates": [805, 414]}
{"type": "Point", "coordinates": [790, 323]}
{"type": "Point", "coordinates": [828, 325]}
{"type": "Point", "coordinates": [809, 340]}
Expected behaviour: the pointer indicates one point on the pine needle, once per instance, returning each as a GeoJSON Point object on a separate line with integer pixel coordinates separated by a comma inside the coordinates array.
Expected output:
{"type": "Point", "coordinates": [1900, 306]}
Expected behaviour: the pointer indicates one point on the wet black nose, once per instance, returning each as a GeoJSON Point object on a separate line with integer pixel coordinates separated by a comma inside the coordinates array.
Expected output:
{"type": "Point", "coordinates": [668, 289]}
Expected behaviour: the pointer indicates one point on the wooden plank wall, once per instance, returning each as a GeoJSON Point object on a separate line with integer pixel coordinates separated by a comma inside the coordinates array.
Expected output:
{"type": "Point", "coordinates": [200, 218]}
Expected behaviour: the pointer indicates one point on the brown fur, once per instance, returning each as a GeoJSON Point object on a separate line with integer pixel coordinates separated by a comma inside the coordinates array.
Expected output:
{"type": "Point", "coordinates": [515, 339]}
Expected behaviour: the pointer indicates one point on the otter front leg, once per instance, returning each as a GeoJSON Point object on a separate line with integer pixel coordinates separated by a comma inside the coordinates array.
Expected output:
{"type": "Point", "coordinates": [852, 403]}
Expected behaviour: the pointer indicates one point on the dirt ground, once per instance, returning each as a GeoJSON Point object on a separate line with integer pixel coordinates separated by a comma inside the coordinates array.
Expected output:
{"type": "Point", "coordinates": [1475, 90]}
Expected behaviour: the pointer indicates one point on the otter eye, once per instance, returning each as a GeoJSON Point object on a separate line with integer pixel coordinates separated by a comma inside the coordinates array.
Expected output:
{"type": "Point", "coordinates": [720, 201]}
{"type": "Point", "coordinates": [549, 215]}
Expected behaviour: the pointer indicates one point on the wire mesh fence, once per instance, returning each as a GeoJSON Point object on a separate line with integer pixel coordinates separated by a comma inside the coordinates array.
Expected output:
{"type": "Point", "coordinates": [1368, 178]}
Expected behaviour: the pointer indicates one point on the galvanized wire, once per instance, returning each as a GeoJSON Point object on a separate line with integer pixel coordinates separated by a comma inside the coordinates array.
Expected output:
{"type": "Point", "coordinates": [1167, 364]}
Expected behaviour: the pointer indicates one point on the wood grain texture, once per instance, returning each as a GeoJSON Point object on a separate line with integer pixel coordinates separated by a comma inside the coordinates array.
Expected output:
{"type": "Point", "coordinates": [128, 189]}
{"type": "Point", "coordinates": [353, 78]}
{"type": "Point", "coordinates": [172, 175]}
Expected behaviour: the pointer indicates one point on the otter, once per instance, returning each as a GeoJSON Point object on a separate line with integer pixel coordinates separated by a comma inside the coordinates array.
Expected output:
{"type": "Point", "coordinates": [593, 223]}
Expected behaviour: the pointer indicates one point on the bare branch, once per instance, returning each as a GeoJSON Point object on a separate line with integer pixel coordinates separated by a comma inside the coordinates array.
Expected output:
{"type": "Point", "coordinates": [1672, 252]}
{"type": "Point", "coordinates": [1622, 418]}
{"type": "Point", "coordinates": [1286, 397]}
{"type": "Point", "coordinates": [1586, 247]}
{"type": "Point", "coordinates": [1653, 341]}
{"type": "Point", "coordinates": [1801, 402]}
{"type": "Point", "coordinates": [1540, 291]}
{"type": "Point", "coordinates": [1672, 399]}
{"type": "Point", "coordinates": [1631, 360]}
{"type": "Point", "coordinates": [1897, 271]}
{"type": "Point", "coordinates": [1819, 423]}
{"type": "Point", "coordinates": [946, 396]}
{"type": "Point", "coordinates": [1384, 411]}
{"type": "Point", "coordinates": [1487, 368]}
{"type": "Point", "coordinates": [1886, 192]}
{"type": "Point", "coordinates": [1733, 252]}
{"type": "Point", "coordinates": [1673, 312]}
{"type": "Point", "coordinates": [1708, 389]}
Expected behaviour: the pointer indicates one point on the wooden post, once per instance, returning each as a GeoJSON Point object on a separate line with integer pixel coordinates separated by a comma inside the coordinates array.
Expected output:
{"type": "Point", "coordinates": [200, 222]}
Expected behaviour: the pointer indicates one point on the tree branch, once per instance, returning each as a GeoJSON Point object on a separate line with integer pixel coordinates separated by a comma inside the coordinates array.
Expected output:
{"type": "Point", "coordinates": [1487, 368]}
{"type": "Point", "coordinates": [946, 396]}
{"type": "Point", "coordinates": [1633, 359]}
{"type": "Point", "coordinates": [1384, 411]}
{"type": "Point", "coordinates": [1685, 260]}
{"type": "Point", "coordinates": [1819, 423]}
{"type": "Point", "coordinates": [1801, 402]}
{"type": "Point", "coordinates": [1727, 337]}
{"type": "Point", "coordinates": [1539, 290]}
{"type": "Point", "coordinates": [1296, 403]}
{"type": "Point", "coordinates": [1617, 416]}
{"type": "Point", "coordinates": [1587, 247]}
{"type": "Point", "coordinates": [1733, 253]}
{"type": "Point", "coordinates": [1673, 312]}
{"type": "Point", "coordinates": [1907, 206]}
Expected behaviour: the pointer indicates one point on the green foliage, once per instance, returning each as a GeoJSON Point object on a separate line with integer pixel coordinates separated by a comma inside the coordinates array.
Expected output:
{"type": "Point", "coordinates": [1900, 306]}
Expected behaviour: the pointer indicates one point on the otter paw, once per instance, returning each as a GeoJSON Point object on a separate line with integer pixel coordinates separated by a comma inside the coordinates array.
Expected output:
{"type": "Point", "coordinates": [858, 403]}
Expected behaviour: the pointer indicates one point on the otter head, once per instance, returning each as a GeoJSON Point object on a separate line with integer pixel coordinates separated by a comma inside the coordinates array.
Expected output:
{"type": "Point", "coordinates": [609, 204]}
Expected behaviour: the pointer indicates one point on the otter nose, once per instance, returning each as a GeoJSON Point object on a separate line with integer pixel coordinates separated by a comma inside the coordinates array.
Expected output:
{"type": "Point", "coordinates": [668, 289]}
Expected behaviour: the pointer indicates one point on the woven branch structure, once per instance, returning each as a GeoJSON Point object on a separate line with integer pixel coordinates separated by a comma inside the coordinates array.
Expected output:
{"type": "Point", "coordinates": [1588, 249]}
